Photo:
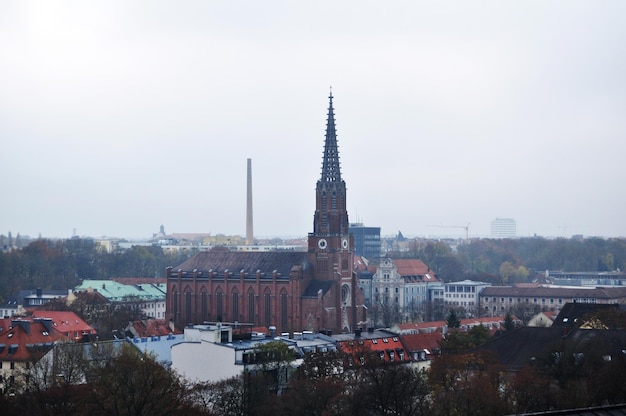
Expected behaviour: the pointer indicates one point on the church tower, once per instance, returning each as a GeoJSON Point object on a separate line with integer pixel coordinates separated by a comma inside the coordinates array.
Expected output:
{"type": "Point", "coordinates": [330, 245]}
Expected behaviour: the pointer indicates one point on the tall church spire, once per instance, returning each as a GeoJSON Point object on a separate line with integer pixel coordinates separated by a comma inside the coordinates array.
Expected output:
{"type": "Point", "coordinates": [331, 216]}
{"type": "Point", "coordinates": [330, 164]}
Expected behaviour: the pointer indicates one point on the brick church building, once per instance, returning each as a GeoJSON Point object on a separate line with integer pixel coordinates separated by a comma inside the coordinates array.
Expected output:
{"type": "Point", "coordinates": [293, 291]}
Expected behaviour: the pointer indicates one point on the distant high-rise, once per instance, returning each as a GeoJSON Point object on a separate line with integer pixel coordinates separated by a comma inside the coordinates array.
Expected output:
{"type": "Point", "coordinates": [503, 228]}
{"type": "Point", "coordinates": [249, 230]}
{"type": "Point", "coordinates": [366, 241]}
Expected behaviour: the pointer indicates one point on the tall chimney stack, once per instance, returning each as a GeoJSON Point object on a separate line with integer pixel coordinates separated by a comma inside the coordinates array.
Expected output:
{"type": "Point", "coordinates": [249, 231]}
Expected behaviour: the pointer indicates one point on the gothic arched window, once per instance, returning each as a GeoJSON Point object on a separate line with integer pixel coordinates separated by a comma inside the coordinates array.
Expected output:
{"type": "Point", "coordinates": [267, 306]}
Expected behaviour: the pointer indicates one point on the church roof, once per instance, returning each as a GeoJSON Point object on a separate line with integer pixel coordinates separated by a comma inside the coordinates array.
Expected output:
{"type": "Point", "coordinates": [249, 262]}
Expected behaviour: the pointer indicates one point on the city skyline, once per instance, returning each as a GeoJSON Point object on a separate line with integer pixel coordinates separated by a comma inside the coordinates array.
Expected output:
{"type": "Point", "coordinates": [116, 118]}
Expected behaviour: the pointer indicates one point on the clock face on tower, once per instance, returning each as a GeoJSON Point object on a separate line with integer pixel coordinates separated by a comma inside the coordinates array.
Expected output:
{"type": "Point", "coordinates": [344, 243]}
{"type": "Point", "coordinates": [322, 244]}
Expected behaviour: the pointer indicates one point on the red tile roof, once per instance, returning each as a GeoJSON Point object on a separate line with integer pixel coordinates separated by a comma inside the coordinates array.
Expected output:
{"type": "Point", "coordinates": [412, 267]}
{"type": "Point", "coordinates": [25, 340]}
{"type": "Point", "coordinates": [153, 328]}
{"type": "Point", "coordinates": [387, 349]}
{"type": "Point", "coordinates": [429, 343]}
{"type": "Point", "coordinates": [68, 323]}
{"type": "Point", "coordinates": [424, 327]}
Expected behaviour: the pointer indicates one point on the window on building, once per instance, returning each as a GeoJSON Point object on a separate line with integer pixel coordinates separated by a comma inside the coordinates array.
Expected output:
{"type": "Point", "coordinates": [251, 307]}
{"type": "Point", "coordinates": [284, 318]}
{"type": "Point", "coordinates": [188, 306]}
{"type": "Point", "coordinates": [203, 304]}
{"type": "Point", "coordinates": [235, 306]}
{"type": "Point", "coordinates": [219, 304]}
{"type": "Point", "coordinates": [268, 309]}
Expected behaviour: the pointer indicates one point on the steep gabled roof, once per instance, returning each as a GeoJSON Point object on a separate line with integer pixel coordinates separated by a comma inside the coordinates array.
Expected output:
{"type": "Point", "coordinates": [249, 262]}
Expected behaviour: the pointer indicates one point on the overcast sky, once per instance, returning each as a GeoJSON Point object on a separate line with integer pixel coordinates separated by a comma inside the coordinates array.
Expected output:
{"type": "Point", "coordinates": [117, 117]}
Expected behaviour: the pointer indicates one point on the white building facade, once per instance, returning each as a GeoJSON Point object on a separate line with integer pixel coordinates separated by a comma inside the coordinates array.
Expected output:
{"type": "Point", "coordinates": [464, 294]}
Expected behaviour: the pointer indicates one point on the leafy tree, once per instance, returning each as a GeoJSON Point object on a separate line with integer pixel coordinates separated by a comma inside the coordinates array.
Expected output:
{"type": "Point", "coordinates": [608, 318]}
{"type": "Point", "coordinates": [318, 387]}
{"type": "Point", "coordinates": [507, 272]}
{"type": "Point", "coordinates": [456, 342]}
{"type": "Point", "coordinates": [531, 391]}
{"type": "Point", "coordinates": [388, 388]}
{"type": "Point", "coordinates": [509, 323]}
{"type": "Point", "coordinates": [222, 398]}
{"type": "Point", "coordinates": [453, 321]}
{"type": "Point", "coordinates": [132, 383]}
{"type": "Point", "coordinates": [466, 384]}
{"type": "Point", "coordinates": [478, 335]}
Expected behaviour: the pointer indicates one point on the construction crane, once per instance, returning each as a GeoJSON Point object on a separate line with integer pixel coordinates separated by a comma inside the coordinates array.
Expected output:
{"type": "Point", "coordinates": [465, 227]}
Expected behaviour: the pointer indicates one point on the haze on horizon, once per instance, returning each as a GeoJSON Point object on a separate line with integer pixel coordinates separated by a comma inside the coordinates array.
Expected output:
{"type": "Point", "coordinates": [117, 117]}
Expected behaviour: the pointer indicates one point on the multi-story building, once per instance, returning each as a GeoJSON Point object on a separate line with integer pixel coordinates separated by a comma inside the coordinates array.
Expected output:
{"type": "Point", "coordinates": [366, 241]}
{"type": "Point", "coordinates": [496, 300]}
{"type": "Point", "coordinates": [464, 294]}
{"type": "Point", "coordinates": [292, 291]}
{"type": "Point", "coordinates": [22, 342]}
{"type": "Point", "coordinates": [503, 228]}
{"type": "Point", "coordinates": [403, 284]}
{"type": "Point", "coordinates": [149, 298]}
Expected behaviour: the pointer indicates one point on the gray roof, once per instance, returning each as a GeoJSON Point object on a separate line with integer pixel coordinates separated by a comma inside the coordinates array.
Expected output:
{"type": "Point", "coordinates": [517, 348]}
{"type": "Point", "coordinates": [543, 291]}
{"type": "Point", "coordinates": [219, 261]}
